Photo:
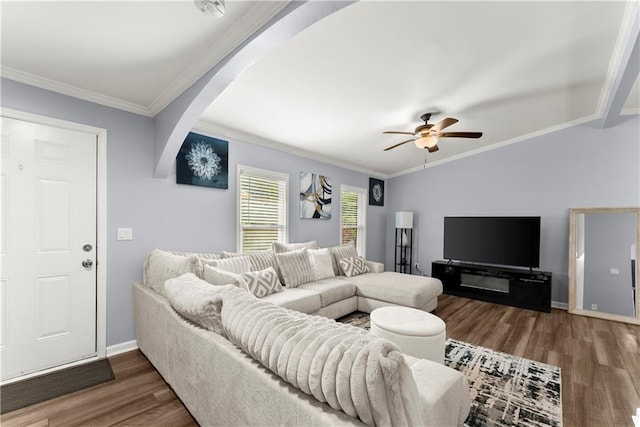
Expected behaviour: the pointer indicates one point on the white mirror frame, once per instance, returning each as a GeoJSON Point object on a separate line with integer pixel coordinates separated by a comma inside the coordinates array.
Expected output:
{"type": "Point", "coordinates": [573, 249]}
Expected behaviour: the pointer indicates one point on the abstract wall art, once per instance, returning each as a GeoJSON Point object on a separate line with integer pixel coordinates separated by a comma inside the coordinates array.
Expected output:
{"type": "Point", "coordinates": [315, 196]}
{"type": "Point", "coordinates": [376, 192]}
{"type": "Point", "coordinates": [204, 161]}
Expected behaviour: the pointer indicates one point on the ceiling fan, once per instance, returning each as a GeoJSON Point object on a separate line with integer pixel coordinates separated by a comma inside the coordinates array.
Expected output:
{"type": "Point", "coordinates": [426, 135]}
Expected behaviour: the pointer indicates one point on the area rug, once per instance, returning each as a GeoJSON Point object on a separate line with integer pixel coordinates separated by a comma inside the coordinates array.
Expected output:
{"type": "Point", "coordinates": [505, 390]}
{"type": "Point", "coordinates": [44, 387]}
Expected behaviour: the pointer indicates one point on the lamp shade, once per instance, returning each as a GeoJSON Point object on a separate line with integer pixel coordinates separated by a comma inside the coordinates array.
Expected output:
{"type": "Point", "coordinates": [404, 219]}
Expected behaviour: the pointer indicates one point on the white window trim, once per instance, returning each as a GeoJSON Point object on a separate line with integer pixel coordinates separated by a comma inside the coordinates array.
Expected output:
{"type": "Point", "coordinates": [265, 173]}
{"type": "Point", "coordinates": [363, 193]}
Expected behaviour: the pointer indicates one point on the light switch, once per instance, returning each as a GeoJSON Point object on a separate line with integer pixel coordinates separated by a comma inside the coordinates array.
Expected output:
{"type": "Point", "coordinates": [614, 271]}
{"type": "Point", "coordinates": [125, 233]}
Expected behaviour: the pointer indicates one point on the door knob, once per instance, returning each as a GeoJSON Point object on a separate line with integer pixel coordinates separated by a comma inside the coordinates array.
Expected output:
{"type": "Point", "coordinates": [87, 263]}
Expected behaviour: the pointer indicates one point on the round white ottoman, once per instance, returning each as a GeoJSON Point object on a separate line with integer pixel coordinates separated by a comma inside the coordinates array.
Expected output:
{"type": "Point", "coordinates": [416, 332]}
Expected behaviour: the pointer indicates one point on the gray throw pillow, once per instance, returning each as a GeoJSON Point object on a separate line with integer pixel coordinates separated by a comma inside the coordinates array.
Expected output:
{"type": "Point", "coordinates": [354, 266]}
{"type": "Point", "coordinates": [262, 283]}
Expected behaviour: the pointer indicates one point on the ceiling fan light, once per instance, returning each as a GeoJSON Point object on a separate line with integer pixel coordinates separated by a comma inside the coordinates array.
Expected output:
{"type": "Point", "coordinates": [426, 141]}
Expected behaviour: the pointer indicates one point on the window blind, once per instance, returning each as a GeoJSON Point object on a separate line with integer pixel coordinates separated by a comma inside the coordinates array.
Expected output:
{"type": "Point", "coordinates": [262, 209]}
{"type": "Point", "coordinates": [352, 217]}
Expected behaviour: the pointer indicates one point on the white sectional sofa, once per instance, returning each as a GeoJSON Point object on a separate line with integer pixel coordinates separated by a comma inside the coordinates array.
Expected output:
{"type": "Point", "coordinates": [221, 385]}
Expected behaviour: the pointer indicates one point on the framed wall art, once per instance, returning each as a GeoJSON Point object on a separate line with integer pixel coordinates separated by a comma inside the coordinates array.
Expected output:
{"type": "Point", "coordinates": [315, 196]}
{"type": "Point", "coordinates": [376, 192]}
{"type": "Point", "coordinates": [204, 161]}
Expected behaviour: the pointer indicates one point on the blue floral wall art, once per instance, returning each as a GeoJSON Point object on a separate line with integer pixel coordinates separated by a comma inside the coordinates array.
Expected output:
{"type": "Point", "coordinates": [204, 161]}
{"type": "Point", "coordinates": [315, 196]}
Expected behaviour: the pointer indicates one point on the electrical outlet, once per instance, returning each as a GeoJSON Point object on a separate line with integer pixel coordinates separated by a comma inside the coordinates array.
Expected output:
{"type": "Point", "coordinates": [614, 271]}
{"type": "Point", "coordinates": [594, 307]}
{"type": "Point", "coordinates": [417, 266]}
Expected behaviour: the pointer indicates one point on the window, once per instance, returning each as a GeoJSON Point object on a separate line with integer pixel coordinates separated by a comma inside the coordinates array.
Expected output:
{"type": "Point", "coordinates": [262, 208]}
{"type": "Point", "coordinates": [353, 217]}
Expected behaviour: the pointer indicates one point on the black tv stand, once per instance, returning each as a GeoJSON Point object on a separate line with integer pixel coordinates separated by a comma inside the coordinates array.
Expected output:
{"type": "Point", "coordinates": [509, 286]}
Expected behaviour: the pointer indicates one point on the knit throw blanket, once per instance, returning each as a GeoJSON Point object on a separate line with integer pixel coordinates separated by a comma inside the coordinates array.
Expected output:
{"type": "Point", "coordinates": [344, 366]}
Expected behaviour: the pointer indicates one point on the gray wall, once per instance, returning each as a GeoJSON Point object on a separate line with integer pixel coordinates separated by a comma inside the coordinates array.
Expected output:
{"type": "Point", "coordinates": [608, 240]}
{"type": "Point", "coordinates": [581, 166]}
{"type": "Point", "coordinates": [164, 214]}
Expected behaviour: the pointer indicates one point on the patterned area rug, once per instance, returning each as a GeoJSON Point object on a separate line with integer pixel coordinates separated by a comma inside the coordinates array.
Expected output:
{"type": "Point", "coordinates": [505, 390]}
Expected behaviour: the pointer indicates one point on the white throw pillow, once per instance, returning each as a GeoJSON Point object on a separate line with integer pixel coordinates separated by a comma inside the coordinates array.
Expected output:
{"type": "Point", "coordinates": [295, 268]}
{"type": "Point", "coordinates": [218, 277]}
{"type": "Point", "coordinates": [159, 266]}
{"type": "Point", "coordinates": [262, 283]}
{"type": "Point", "coordinates": [280, 248]}
{"type": "Point", "coordinates": [354, 266]}
{"type": "Point", "coordinates": [321, 263]}
{"type": "Point", "coordinates": [260, 260]}
{"type": "Point", "coordinates": [241, 264]}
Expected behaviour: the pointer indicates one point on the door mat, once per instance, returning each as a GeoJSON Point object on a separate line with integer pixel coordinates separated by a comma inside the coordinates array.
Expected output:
{"type": "Point", "coordinates": [505, 390]}
{"type": "Point", "coordinates": [44, 387]}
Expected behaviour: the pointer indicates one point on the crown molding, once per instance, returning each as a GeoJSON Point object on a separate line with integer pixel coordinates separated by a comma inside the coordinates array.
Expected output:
{"type": "Point", "coordinates": [66, 89]}
{"type": "Point", "coordinates": [490, 147]}
{"type": "Point", "coordinates": [251, 22]}
{"type": "Point", "coordinates": [226, 132]}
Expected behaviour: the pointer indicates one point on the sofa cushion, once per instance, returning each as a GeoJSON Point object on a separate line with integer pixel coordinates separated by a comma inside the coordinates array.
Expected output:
{"type": "Point", "coordinates": [219, 277]}
{"type": "Point", "coordinates": [262, 283]}
{"type": "Point", "coordinates": [347, 250]}
{"type": "Point", "coordinates": [397, 288]}
{"type": "Point", "coordinates": [331, 290]}
{"type": "Point", "coordinates": [295, 268]}
{"type": "Point", "coordinates": [321, 263]}
{"type": "Point", "coordinates": [298, 299]}
{"type": "Point", "coordinates": [238, 265]}
{"type": "Point", "coordinates": [280, 248]}
{"type": "Point", "coordinates": [159, 266]}
{"type": "Point", "coordinates": [354, 266]}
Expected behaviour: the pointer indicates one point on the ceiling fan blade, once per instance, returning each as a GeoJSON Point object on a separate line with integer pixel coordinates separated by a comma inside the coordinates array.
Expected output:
{"type": "Point", "coordinates": [397, 132]}
{"type": "Point", "coordinates": [446, 122]}
{"type": "Point", "coordinates": [433, 149]}
{"type": "Point", "coordinates": [459, 135]}
{"type": "Point", "coordinates": [398, 144]}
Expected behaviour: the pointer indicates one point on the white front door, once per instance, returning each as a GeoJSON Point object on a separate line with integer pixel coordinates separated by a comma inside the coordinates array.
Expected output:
{"type": "Point", "coordinates": [47, 247]}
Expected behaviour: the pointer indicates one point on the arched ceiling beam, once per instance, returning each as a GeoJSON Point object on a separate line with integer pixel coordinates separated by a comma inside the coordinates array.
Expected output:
{"type": "Point", "coordinates": [175, 121]}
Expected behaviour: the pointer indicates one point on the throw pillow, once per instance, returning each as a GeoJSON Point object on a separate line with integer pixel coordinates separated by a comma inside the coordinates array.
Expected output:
{"type": "Point", "coordinates": [280, 248]}
{"type": "Point", "coordinates": [295, 268]}
{"type": "Point", "coordinates": [260, 260]}
{"type": "Point", "coordinates": [198, 254]}
{"type": "Point", "coordinates": [219, 277]}
{"type": "Point", "coordinates": [196, 300]}
{"type": "Point", "coordinates": [159, 266]}
{"type": "Point", "coordinates": [321, 263]}
{"type": "Point", "coordinates": [240, 264]}
{"type": "Point", "coordinates": [347, 250]}
{"type": "Point", "coordinates": [262, 283]}
{"type": "Point", "coordinates": [353, 266]}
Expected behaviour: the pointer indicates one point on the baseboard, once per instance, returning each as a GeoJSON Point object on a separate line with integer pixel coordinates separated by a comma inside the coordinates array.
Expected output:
{"type": "Point", "coordinates": [123, 347]}
{"type": "Point", "coordinates": [560, 305]}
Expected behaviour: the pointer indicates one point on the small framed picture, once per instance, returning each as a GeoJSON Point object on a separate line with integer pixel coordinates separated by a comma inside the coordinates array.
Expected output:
{"type": "Point", "coordinates": [204, 161]}
{"type": "Point", "coordinates": [376, 192]}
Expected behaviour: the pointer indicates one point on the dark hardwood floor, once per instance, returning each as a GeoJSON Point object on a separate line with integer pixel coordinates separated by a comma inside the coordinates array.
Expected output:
{"type": "Point", "coordinates": [600, 362]}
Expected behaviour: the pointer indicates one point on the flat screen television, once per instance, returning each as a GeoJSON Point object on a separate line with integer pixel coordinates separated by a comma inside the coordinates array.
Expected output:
{"type": "Point", "coordinates": [506, 240]}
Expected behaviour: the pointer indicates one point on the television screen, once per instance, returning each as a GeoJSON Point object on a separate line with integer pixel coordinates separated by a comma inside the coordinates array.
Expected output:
{"type": "Point", "coordinates": [493, 240]}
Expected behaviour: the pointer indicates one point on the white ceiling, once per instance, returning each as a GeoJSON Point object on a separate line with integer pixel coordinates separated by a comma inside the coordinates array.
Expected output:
{"type": "Point", "coordinates": [508, 69]}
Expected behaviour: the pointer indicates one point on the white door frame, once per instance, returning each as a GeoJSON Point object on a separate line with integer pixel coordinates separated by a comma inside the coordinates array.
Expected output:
{"type": "Point", "coordinates": [101, 213]}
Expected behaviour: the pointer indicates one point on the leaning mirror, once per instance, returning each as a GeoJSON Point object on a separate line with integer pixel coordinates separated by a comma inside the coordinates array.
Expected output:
{"type": "Point", "coordinates": [603, 267]}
